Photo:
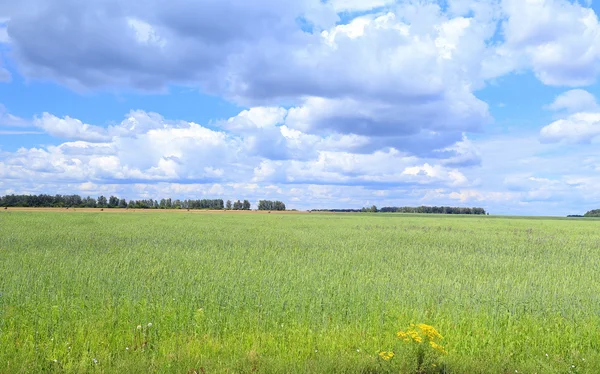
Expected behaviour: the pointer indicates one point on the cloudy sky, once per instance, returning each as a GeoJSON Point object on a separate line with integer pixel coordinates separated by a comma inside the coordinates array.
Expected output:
{"type": "Point", "coordinates": [318, 103]}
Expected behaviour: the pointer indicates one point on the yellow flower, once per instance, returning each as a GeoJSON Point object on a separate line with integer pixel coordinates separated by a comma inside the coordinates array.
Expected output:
{"type": "Point", "coordinates": [430, 332]}
{"type": "Point", "coordinates": [386, 355]}
{"type": "Point", "coordinates": [415, 336]}
{"type": "Point", "coordinates": [438, 348]}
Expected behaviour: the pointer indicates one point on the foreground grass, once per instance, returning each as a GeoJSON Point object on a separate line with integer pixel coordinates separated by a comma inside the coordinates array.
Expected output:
{"type": "Point", "coordinates": [151, 292]}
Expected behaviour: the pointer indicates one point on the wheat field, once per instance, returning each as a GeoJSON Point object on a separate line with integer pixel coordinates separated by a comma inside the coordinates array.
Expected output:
{"type": "Point", "coordinates": [294, 293]}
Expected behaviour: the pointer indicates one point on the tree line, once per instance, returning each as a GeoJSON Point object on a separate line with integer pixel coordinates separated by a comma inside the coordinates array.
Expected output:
{"type": "Point", "coordinates": [270, 205]}
{"type": "Point", "coordinates": [407, 209]}
{"type": "Point", "coordinates": [434, 210]}
{"type": "Point", "coordinates": [76, 201]}
{"type": "Point", "coordinates": [593, 213]}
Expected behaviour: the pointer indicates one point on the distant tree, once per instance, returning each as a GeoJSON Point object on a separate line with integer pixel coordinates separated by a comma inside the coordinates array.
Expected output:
{"type": "Point", "coordinates": [270, 205]}
{"type": "Point", "coordinates": [593, 213]}
{"type": "Point", "coordinates": [246, 205]}
{"type": "Point", "coordinates": [102, 202]}
{"type": "Point", "coordinates": [237, 205]}
{"type": "Point", "coordinates": [228, 205]}
{"type": "Point", "coordinates": [69, 201]}
{"type": "Point", "coordinates": [90, 202]}
{"type": "Point", "coordinates": [113, 202]}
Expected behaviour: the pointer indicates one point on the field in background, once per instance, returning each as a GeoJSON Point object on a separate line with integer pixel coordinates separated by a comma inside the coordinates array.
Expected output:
{"type": "Point", "coordinates": [139, 292]}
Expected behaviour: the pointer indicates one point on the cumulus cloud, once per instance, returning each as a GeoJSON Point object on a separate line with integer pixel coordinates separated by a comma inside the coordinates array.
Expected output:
{"type": "Point", "coordinates": [410, 70]}
{"type": "Point", "coordinates": [145, 147]}
{"type": "Point", "coordinates": [70, 128]}
{"type": "Point", "coordinates": [576, 128]}
{"type": "Point", "coordinates": [580, 122]}
{"type": "Point", "coordinates": [145, 44]}
{"type": "Point", "coordinates": [558, 39]}
{"type": "Point", "coordinates": [462, 153]}
{"type": "Point", "coordinates": [260, 51]}
{"type": "Point", "coordinates": [574, 101]}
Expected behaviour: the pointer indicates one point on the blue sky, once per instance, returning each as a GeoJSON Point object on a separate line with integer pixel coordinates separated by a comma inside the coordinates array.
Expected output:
{"type": "Point", "coordinates": [338, 103]}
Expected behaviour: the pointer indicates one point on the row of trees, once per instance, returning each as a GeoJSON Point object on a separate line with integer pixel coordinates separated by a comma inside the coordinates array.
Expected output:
{"type": "Point", "coordinates": [238, 205]}
{"type": "Point", "coordinates": [434, 210]}
{"type": "Point", "coordinates": [406, 209]}
{"type": "Point", "coordinates": [270, 205]}
{"type": "Point", "coordinates": [76, 201]}
{"type": "Point", "coordinates": [593, 213]}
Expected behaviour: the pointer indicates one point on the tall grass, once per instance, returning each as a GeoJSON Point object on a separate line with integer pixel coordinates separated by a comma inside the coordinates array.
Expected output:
{"type": "Point", "coordinates": [178, 292]}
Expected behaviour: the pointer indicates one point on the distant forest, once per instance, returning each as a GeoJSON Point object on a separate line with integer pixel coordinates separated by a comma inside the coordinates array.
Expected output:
{"type": "Point", "coordinates": [407, 209]}
{"type": "Point", "coordinates": [113, 202]}
{"type": "Point", "coordinates": [592, 213]}
{"type": "Point", "coordinates": [76, 201]}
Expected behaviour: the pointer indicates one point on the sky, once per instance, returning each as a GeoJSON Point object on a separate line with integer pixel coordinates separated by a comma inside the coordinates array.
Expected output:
{"type": "Point", "coordinates": [317, 103]}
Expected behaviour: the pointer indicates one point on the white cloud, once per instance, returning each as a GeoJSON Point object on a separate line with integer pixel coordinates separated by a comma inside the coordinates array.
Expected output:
{"type": "Point", "coordinates": [147, 147]}
{"type": "Point", "coordinates": [463, 153]}
{"type": "Point", "coordinates": [580, 122]}
{"type": "Point", "coordinates": [576, 128]}
{"type": "Point", "coordinates": [145, 33]}
{"type": "Point", "coordinates": [452, 177]}
{"type": "Point", "coordinates": [470, 196]}
{"type": "Point", "coordinates": [409, 71]}
{"type": "Point", "coordinates": [70, 128]}
{"type": "Point", "coordinates": [558, 39]}
{"type": "Point", "coordinates": [256, 118]}
{"type": "Point", "coordinates": [574, 101]}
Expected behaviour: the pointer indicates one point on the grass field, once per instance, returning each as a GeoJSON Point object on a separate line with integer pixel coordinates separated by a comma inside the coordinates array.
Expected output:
{"type": "Point", "coordinates": [292, 293]}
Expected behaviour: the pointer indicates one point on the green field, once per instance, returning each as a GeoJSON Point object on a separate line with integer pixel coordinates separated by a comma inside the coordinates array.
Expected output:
{"type": "Point", "coordinates": [293, 293]}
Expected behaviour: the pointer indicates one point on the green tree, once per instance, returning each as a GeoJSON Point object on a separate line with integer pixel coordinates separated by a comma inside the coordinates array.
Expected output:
{"type": "Point", "coordinates": [593, 213]}
{"type": "Point", "coordinates": [113, 202]}
{"type": "Point", "coordinates": [90, 202]}
{"type": "Point", "coordinates": [102, 202]}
